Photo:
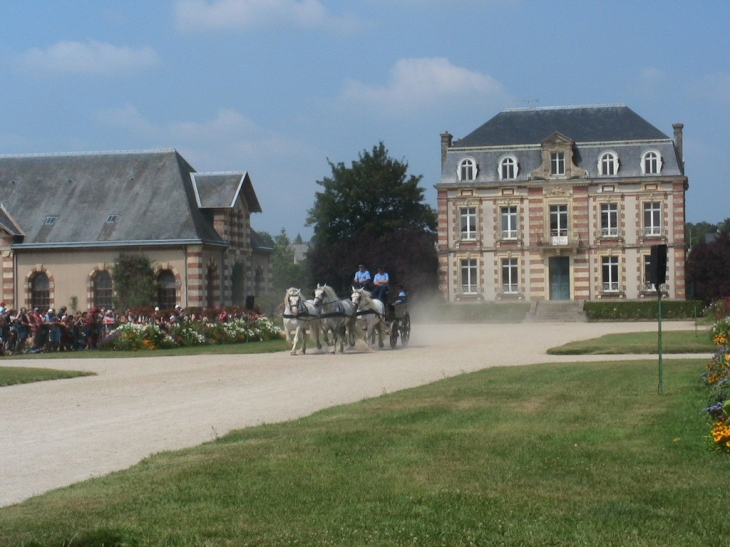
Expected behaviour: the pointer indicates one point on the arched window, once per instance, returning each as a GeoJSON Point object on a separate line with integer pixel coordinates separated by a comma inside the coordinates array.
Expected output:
{"type": "Point", "coordinates": [40, 291]}
{"type": "Point", "coordinates": [508, 168]}
{"type": "Point", "coordinates": [237, 296]}
{"type": "Point", "coordinates": [467, 169]}
{"type": "Point", "coordinates": [651, 163]}
{"type": "Point", "coordinates": [210, 287]}
{"type": "Point", "coordinates": [166, 293]}
{"type": "Point", "coordinates": [608, 164]}
{"type": "Point", "coordinates": [102, 289]}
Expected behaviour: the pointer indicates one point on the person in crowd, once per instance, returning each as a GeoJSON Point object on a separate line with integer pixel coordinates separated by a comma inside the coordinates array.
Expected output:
{"type": "Point", "coordinates": [381, 284]}
{"type": "Point", "coordinates": [54, 330]}
{"type": "Point", "coordinates": [362, 278]}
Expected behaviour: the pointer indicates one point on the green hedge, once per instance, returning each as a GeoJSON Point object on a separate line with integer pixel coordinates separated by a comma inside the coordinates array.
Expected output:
{"type": "Point", "coordinates": [638, 310]}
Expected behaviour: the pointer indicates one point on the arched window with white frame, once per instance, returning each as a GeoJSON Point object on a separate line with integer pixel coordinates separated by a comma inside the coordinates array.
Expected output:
{"type": "Point", "coordinates": [508, 168]}
{"type": "Point", "coordinates": [467, 169]}
{"type": "Point", "coordinates": [608, 164]}
{"type": "Point", "coordinates": [651, 163]}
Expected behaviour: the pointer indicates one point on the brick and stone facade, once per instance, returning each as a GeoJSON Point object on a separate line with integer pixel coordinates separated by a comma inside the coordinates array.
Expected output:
{"type": "Point", "coordinates": [560, 204]}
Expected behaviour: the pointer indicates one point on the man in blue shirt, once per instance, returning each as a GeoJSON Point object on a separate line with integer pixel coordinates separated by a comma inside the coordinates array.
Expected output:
{"type": "Point", "coordinates": [362, 278]}
{"type": "Point", "coordinates": [381, 282]}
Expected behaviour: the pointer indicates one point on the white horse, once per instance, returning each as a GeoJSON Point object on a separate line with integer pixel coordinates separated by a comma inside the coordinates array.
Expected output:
{"type": "Point", "coordinates": [338, 316]}
{"type": "Point", "coordinates": [300, 316]}
{"type": "Point", "coordinates": [371, 313]}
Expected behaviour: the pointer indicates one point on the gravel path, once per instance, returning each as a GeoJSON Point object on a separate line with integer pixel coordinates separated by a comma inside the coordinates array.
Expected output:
{"type": "Point", "coordinates": [55, 433]}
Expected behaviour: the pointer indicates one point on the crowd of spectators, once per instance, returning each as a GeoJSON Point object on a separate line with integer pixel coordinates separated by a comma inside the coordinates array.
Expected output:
{"type": "Point", "coordinates": [46, 330]}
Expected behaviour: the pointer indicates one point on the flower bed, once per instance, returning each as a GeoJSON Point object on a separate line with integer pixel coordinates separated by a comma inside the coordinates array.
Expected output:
{"type": "Point", "coordinates": [136, 337]}
{"type": "Point", "coordinates": [717, 377]}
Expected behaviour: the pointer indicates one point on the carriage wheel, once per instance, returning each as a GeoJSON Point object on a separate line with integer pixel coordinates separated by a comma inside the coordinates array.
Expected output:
{"type": "Point", "coordinates": [405, 329]}
{"type": "Point", "coordinates": [393, 334]}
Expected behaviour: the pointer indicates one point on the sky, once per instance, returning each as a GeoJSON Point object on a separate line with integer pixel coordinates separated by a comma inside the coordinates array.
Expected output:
{"type": "Point", "coordinates": [279, 88]}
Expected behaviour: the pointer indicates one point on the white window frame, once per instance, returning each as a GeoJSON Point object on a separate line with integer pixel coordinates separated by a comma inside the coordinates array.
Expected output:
{"type": "Point", "coordinates": [609, 220]}
{"type": "Point", "coordinates": [467, 170]}
{"type": "Point", "coordinates": [657, 162]}
{"type": "Point", "coordinates": [510, 275]}
{"type": "Point", "coordinates": [508, 163]}
{"type": "Point", "coordinates": [652, 218]}
{"type": "Point", "coordinates": [469, 275]}
{"type": "Point", "coordinates": [608, 164]}
{"type": "Point", "coordinates": [557, 164]}
{"type": "Point", "coordinates": [508, 221]}
{"type": "Point", "coordinates": [468, 223]}
{"type": "Point", "coordinates": [610, 273]}
{"type": "Point", "coordinates": [559, 224]}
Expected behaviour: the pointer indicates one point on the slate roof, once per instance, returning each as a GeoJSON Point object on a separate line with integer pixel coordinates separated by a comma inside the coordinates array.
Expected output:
{"type": "Point", "coordinates": [594, 129]}
{"type": "Point", "coordinates": [104, 199]}
{"type": "Point", "coordinates": [605, 123]}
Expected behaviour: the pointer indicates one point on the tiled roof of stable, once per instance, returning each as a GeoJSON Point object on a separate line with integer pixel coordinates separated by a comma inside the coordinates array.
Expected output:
{"type": "Point", "coordinates": [103, 199]}
{"type": "Point", "coordinates": [598, 123]}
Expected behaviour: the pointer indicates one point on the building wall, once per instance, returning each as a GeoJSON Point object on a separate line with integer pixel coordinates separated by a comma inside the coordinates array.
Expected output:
{"type": "Point", "coordinates": [584, 249]}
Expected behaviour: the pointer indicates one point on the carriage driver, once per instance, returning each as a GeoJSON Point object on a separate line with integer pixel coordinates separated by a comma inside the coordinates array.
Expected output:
{"type": "Point", "coordinates": [382, 287]}
{"type": "Point", "coordinates": [362, 278]}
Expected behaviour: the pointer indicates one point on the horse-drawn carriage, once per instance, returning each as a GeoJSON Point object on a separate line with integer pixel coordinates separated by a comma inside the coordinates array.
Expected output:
{"type": "Point", "coordinates": [398, 323]}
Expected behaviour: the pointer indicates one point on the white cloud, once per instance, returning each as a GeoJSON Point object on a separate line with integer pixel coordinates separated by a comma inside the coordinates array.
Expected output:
{"type": "Point", "coordinates": [202, 15]}
{"type": "Point", "coordinates": [92, 57]}
{"type": "Point", "coordinates": [420, 84]}
{"type": "Point", "coordinates": [230, 138]}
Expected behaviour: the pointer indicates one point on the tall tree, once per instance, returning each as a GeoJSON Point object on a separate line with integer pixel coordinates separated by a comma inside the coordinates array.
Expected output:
{"type": "Point", "coordinates": [375, 195]}
{"type": "Point", "coordinates": [708, 269]}
{"type": "Point", "coordinates": [373, 212]}
{"type": "Point", "coordinates": [134, 281]}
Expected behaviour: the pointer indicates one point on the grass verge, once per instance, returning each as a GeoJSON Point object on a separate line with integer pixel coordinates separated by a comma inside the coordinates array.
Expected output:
{"type": "Point", "coordinates": [265, 346]}
{"type": "Point", "coordinates": [640, 343]}
{"type": "Point", "coordinates": [24, 375]}
{"type": "Point", "coordinates": [557, 454]}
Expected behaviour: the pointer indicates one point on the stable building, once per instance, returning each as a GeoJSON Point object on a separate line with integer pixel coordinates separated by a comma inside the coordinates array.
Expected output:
{"type": "Point", "coordinates": [560, 203]}
{"type": "Point", "coordinates": [65, 218]}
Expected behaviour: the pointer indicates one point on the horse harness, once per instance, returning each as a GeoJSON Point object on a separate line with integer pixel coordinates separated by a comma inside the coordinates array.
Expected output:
{"type": "Point", "coordinates": [302, 312]}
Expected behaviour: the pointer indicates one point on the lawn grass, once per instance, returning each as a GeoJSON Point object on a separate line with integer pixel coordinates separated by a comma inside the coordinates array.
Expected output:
{"type": "Point", "coordinates": [688, 341]}
{"type": "Point", "coordinates": [25, 375]}
{"type": "Point", "coordinates": [264, 346]}
{"type": "Point", "coordinates": [558, 454]}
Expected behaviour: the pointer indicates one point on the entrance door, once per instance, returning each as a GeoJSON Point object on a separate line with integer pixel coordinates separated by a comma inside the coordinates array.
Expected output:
{"type": "Point", "coordinates": [559, 278]}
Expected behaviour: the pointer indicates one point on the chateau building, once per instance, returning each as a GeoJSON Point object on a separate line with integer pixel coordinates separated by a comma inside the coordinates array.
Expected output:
{"type": "Point", "coordinates": [560, 204]}
{"type": "Point", "coordinates": [65, 218]}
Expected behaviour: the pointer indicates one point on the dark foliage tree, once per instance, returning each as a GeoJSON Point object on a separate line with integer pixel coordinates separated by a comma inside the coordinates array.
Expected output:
{"type": "Point", "coordinates": [695, 233]}
{"type": "Point", "coordinates": [134, 281]}
{"type": "Point", "coordinates": [708, 269]}
{"type": "Point", "coordinates": [375, 195]}
{"type": "Point", "coordinates": [373, 212]}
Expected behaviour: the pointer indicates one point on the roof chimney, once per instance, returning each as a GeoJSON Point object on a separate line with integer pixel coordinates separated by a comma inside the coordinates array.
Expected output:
{"type": "Point", "coordinates": [678, 142]}
{"type": "Point", "coordinates": [446, 140]}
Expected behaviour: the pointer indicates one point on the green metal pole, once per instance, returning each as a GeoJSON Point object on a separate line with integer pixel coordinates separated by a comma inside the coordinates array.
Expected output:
{"type": "Point", "coordinates": [661, 363]}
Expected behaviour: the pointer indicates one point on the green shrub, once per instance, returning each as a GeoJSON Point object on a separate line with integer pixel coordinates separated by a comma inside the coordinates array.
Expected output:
{"type": "Point", "coordinates": [642, 310]}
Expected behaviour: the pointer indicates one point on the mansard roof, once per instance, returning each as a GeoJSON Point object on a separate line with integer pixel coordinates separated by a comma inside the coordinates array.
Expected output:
{"type": "Point", "coordinates": [104, 199]}
{"type": "Point", "coordinates": [524, 126]}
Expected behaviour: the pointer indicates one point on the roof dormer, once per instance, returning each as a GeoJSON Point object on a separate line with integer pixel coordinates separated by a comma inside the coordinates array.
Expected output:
{"type": "Point", "coordinates": [557, 160]}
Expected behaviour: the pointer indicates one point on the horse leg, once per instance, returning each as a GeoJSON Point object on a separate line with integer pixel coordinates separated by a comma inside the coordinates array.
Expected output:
{"type": "Point", "coordinates": [295, 341]}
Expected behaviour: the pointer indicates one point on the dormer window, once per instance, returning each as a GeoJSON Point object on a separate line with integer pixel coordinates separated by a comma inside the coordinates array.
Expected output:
{"type": "Point", "coordinates": [111, 219]}
{"type": "Point", "coordinates": [608, 164]}
{"type": "Point", "coordinates": [50, 220]}
{"type": "Point", "coordinates": [557, 163]}
{"type": "Point", "coordinates": [467, 169]}
{"type": "Point", "coordinates": [508, 168]}
{"type": "Point", "coordinates": [651, 163]}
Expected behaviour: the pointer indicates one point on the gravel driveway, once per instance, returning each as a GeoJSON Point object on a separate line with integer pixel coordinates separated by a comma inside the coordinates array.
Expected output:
{"type": "Point", "coordinates": [55, 433]}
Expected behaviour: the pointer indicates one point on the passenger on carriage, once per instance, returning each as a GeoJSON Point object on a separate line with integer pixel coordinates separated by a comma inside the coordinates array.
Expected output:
{"type": "Point", "coordinates": [402, 297]}
{"type": "Point", "coordinates": [381, 281]}
{"type": "Point", "coordinates": [362, 278]}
